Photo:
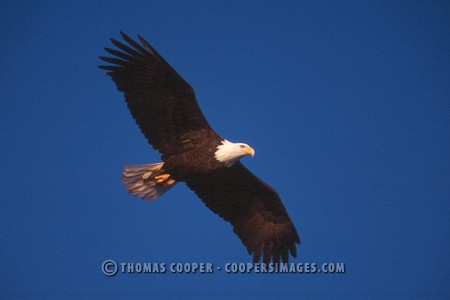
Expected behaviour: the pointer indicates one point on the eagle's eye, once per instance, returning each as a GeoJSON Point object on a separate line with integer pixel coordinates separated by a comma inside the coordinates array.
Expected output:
{"type": "Point", "coordinates": [242, 146]}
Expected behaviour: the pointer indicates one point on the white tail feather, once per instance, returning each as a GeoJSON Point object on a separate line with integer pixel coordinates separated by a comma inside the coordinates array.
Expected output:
{"type": "Point", "coordinates": [140, 181]}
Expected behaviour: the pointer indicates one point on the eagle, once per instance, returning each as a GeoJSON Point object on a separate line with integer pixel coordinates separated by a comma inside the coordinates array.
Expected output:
{"type": "Point", "coordinates": [166, 110]}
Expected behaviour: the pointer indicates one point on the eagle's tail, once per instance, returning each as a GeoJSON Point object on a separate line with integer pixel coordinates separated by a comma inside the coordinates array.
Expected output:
{"type": "Point", "coordinates": [147, 181]}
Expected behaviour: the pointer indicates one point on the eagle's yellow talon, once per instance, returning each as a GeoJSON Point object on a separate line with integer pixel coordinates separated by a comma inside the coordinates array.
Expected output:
{"type": "Point", "coordinates": [161, 178]}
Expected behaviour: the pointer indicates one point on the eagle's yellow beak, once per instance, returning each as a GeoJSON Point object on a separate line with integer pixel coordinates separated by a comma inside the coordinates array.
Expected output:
{"type": "Point", "coordinates": [250, 151]}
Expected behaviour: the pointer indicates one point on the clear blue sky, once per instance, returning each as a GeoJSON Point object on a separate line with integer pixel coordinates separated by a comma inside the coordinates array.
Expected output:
{"type": "Point", "coordinates": [346, 103]}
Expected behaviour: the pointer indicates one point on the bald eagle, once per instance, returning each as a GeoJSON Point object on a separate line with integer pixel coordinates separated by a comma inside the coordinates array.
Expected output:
{"type": "Point", "coordinates": [166, 110]}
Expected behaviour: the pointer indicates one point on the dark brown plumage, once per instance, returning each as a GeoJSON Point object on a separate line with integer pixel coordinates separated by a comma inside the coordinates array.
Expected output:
{"type": "Point", "coordinates": [167, 112]}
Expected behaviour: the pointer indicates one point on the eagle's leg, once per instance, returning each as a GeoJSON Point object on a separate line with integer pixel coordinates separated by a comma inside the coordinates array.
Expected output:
{"type": "Point", "coordinates": [164, 178]}
{"type": "Point", "coordinates": [170, 181]}
{"type": "Point", "coordinates": [161, 178]}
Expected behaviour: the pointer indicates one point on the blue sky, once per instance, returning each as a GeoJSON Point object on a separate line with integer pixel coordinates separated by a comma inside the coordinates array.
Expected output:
{"type": "Point", "coordinates": [347, 105]}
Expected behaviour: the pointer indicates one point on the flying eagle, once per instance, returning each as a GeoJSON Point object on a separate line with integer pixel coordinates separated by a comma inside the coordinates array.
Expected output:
{"type": "Point", "coordinates": [166, 110]}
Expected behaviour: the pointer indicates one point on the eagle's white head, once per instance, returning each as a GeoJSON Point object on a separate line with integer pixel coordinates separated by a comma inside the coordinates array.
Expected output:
{"type": "Point", "coordinates": [229, 153]}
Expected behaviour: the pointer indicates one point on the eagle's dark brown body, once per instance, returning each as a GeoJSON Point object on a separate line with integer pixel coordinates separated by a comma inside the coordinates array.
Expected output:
{"type": "Point", "coordinates": [194, 155]}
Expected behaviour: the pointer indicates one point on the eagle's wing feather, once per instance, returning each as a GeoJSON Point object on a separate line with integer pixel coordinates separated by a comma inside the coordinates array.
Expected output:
{"type": "Point", "coordinates": [254, 209]}
{"type": "Point", "coordinates": [161, 101]}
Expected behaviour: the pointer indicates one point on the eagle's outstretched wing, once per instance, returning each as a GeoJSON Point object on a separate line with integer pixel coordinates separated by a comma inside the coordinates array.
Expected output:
{"type": "Point", "coordinates": [161, 101]}
{"type": "Point", "coordinates": [254, 209]}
